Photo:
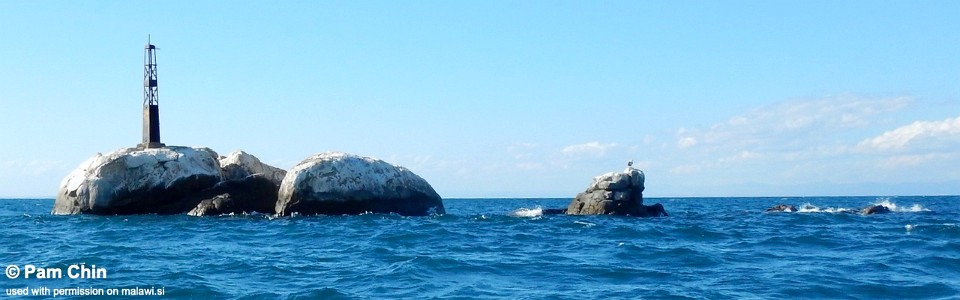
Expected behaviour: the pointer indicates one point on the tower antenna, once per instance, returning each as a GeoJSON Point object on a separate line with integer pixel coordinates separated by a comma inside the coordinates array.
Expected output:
{"type": "Point", "coordinates": [151, 105]}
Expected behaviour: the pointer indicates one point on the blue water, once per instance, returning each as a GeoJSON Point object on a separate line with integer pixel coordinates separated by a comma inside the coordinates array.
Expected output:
{"type": "Point", "coordinates": [708, 248]}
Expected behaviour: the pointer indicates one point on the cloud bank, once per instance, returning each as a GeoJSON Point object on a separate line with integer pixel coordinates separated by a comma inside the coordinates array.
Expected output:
{"type": "Point", "coordinates": [902, 137]}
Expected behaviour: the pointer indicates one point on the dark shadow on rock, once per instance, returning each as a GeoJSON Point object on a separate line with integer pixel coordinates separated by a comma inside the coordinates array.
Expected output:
{"type": "Point", "coordinates": [254, 193]}
{"type": "Point", "coordinates": [172, 199]}
{"type": "Point", "coordinates": [554, 211]}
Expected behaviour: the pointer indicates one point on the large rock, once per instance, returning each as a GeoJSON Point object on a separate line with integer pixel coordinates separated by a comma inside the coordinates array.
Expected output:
{"type": "Point", "coordinates": [238, 165]}
{"type": "Point", "coordinates": [138, 181]}
{"type": "Point", "coordinates": [615, 193]}
{"type": "Point", "coordinates": [334, 183]}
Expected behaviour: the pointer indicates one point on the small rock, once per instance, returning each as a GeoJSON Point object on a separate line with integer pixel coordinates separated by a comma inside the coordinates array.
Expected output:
{"type": "Point", "coordinates": [782, 208]}
{"type": "Point", "coordinates": [221, 204]}
{"type": "Point", "coordinates": [874, 209]}
{"type": "Point", "coordinates": [239, 164]}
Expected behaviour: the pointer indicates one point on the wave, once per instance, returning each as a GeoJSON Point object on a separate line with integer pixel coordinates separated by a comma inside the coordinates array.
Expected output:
{"type": "Point", "coordinates": [885, 201]}
{"type": "Point", "coordinates": [528, 212]}
{"type": "Point", "coordinates": [810, 208]}
{"type": "Point", "coordinates": [916, 207]}
{"type": "Point", "coordinates": [947, 226]}
{"type": "Point", "coordinates": [585, 224]}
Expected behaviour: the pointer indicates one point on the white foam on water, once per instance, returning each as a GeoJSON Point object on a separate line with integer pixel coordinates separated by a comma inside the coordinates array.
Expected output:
{"type": "Point", "coordinates": [839, 210]}
{"type": "Point", "coordinates": [810, 208]}
{"type": "Point", "coordinates": [585, 224]}
{"type": "Point", "coordinates": [916, 207]}
{"type": "Point", "coordinates": [912, 227]}
{"type": "Point", "coordinates": [807, 208]}
{"type": "Point", "coordinates": [886, 202]}
{"type": "Point", "coordinates": [528, 212]}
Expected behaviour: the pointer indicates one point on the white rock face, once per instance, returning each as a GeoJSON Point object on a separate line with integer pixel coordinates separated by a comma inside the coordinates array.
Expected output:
{"type": "Point", "coordinates": [340, 183]}
{"type": "Point", "coordinates": [239, 164]}
{"type": "Point", "coordinates": [135, 180]}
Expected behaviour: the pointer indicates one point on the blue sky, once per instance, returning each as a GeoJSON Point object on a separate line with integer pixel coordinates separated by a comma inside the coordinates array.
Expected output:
{"type": "Point", "coordinates": [503, 98]}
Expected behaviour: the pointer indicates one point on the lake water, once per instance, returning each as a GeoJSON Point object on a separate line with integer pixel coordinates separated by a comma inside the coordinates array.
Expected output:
{"type": "Point", "coordinates": [708, 248]}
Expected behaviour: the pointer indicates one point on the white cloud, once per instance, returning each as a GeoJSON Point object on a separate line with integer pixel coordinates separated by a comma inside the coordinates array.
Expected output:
{"type": "Point", "coordinates": [529, 166]}
{"type": "Point", "coordinates": [592, 148]}
{"type": "Point", "coordinates": [522, 151]}
{"type": "Point", "coordinates": [810, 138]}
{"type": "Point", "coordinates": [903, 161]}
{"type": "Point", "coordinates": [685, 169]}
{"type": "Point", "coordinates": [741, 157]}
{"type": "Point", "coordinates": [686, 142]}
{"type": "Point", "coordinates": [900, 138]}
{"type": "Point", "coordinates": [790, 125]}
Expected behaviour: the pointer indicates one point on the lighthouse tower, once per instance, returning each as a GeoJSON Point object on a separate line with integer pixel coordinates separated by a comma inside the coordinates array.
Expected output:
{"type": "Point", "coordinates": [151, 108]}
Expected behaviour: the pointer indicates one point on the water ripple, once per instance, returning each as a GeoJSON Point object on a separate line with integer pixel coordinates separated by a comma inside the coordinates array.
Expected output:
{"type": "Point", "coordinates": [707, 248]}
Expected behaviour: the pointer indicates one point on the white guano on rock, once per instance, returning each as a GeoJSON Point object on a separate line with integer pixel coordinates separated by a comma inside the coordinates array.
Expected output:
{"type": "Point", "coordinates": [239, 164]}
{"type": "Point", "coordinates": [335, 183]}
{"type": "Point", "coordinates": [137, 180]}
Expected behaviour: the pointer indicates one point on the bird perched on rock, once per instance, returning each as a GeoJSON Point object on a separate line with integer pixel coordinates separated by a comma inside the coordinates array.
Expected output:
{"type": "Point", "coordinates": [629, 167]}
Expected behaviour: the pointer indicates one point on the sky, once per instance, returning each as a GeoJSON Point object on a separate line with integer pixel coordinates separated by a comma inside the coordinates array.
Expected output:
{"type": "Point", "coordinates": [503, 98]}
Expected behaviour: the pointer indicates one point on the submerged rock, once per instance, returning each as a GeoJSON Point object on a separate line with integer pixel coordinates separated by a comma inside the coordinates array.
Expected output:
{"type": "Point", "coordinates": [615, 194]}
{"type": "Point", "coordinates": [554, 211]}
{"type": "Point", "coordinates": [138, 181]}
{"type": "Point", "coordinates": [334, 183]}
{"type": "Point", "coordinates": [875, 209]}
{"type": "Point", "coordinates": [869, 210]}
{"type": "Point", "coordinates": [655, 210]}
{"type": "Point", "coordinates": [782, 208]}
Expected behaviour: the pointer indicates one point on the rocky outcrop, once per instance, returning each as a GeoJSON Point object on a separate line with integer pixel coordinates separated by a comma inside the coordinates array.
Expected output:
{"type": "Point", "coordinates": [239, 165]}
{"type": "Point", "coordinates": [335, 183]}
{"type": "Point", "coordinates": [138, 180]}
{"type": "Point", "coordinates": [169, 180]}
{"type": "Point", "coordinates": [615, 194]}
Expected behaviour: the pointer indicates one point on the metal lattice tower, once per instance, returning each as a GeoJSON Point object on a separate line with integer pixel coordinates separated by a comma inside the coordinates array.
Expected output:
{"type": "Point", "coordinates": [151, 107]}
